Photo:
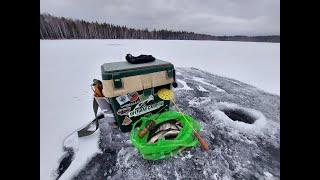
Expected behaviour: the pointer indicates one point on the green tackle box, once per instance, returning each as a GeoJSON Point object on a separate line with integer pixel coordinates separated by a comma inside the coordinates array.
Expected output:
{"type": "Point", "coordinates": [131, 89]}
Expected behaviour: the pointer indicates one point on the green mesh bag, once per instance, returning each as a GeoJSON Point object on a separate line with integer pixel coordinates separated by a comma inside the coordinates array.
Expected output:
{"type": "Point", "coordinates": [164, 148]}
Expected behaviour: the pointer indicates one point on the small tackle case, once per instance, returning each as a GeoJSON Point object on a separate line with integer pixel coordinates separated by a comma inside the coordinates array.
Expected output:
{"type": "Point", "coordinates": [131, 89]}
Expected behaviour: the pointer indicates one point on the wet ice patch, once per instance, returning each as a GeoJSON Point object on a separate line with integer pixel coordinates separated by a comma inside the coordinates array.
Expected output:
{"type": "Point", "coordinates": [238, 117]}
{"type": "Point", "coordinates": [201, 80]}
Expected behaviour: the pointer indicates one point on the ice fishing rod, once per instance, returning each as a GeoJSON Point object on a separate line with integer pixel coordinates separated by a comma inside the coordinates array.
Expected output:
{"type": "Point", "coordinates": [167, 94]}
{"type": "Point", "coordinates": [203, 144]}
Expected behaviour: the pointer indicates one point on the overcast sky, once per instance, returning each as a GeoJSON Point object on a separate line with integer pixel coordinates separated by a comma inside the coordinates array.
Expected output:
{"type": "Point", "coordinates": [215, 17]}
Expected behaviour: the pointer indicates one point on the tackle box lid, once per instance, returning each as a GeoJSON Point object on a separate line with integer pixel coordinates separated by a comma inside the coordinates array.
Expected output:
{"type": "Point", "coordinates": [125, 69]}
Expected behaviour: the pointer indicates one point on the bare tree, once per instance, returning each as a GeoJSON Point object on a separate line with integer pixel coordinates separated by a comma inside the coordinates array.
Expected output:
{"type": "Point", "coordinates": [52, 27]}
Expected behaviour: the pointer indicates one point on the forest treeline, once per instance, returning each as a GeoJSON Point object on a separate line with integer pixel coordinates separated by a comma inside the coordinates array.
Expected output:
{"type": "Point", "coordinates": [52, 27]}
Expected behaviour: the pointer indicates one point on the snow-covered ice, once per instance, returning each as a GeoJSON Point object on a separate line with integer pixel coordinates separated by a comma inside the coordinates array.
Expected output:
{"type": "Point", "coordinates": [88, 147]}
{"type": "Point", "coordinates": [67, 68]}
{"type": "Point", "coordinates": [198, 101]}
{"type": "Point", "coordinates": [184, 85]}
{"type": "Point", "coordinates": [241, 128]}
{"type": "Point", "coordinates": [202, 89]}
{"type": "Point", "coordinates": [201, 80]}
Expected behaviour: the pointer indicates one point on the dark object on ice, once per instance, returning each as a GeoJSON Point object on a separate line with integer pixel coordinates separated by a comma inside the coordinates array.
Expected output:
{"type": "Point", "coordinates": [65, 162]}
{"type": "Point", "coordinates": [139, 59]}
{"type": "Point", "coordinates": [174, 84]}
{"type": "Point", "coordinates": [86, 130]}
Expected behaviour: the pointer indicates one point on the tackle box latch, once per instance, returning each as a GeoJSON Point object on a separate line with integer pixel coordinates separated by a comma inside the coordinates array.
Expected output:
{"type": "Point", "coordinates": [116, 81]}
{"type": "Point", "coordinates": [170, 73]}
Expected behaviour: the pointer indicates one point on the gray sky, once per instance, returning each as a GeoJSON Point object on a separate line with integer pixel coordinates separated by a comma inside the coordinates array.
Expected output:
{"type": "Point", "coordinates": [215, 17]}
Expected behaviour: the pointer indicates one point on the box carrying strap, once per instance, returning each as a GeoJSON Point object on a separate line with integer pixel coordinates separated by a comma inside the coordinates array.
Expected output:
{"type": "Point", "coordinates": [97, 92]}
{"type": "Point", "coordinates": [85, 131]}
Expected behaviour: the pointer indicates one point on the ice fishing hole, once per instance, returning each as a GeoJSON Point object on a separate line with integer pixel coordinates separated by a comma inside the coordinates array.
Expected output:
{"type": "Point", "coordinates": [239, 115]}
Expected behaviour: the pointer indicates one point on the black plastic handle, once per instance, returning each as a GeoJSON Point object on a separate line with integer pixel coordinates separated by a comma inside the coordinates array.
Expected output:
{"type": "Point", "coordinates": [174, 83]}
{"type": "Point", "coordinates": [139, 59]}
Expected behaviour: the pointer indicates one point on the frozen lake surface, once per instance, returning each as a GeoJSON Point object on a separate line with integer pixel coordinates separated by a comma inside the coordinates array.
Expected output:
{"type": "Point", "coordinates": [68, 67]}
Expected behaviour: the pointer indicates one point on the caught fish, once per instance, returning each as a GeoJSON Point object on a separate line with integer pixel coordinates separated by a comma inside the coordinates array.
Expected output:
{"type": "Point", "coordinates": [171, 125]}
{"type": "Point", "coordinates": [156, 137]}
{"type": "Point", "coordinates": [168, 130]}
{"type": "Point", "coordinates": [166, 126]}
{"type": "Point", "coordinates": [178, 126]}
{"type": "Point", "coordinates": [171, 134]}
{"type": "Point", "coordinates": [164, 134]}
